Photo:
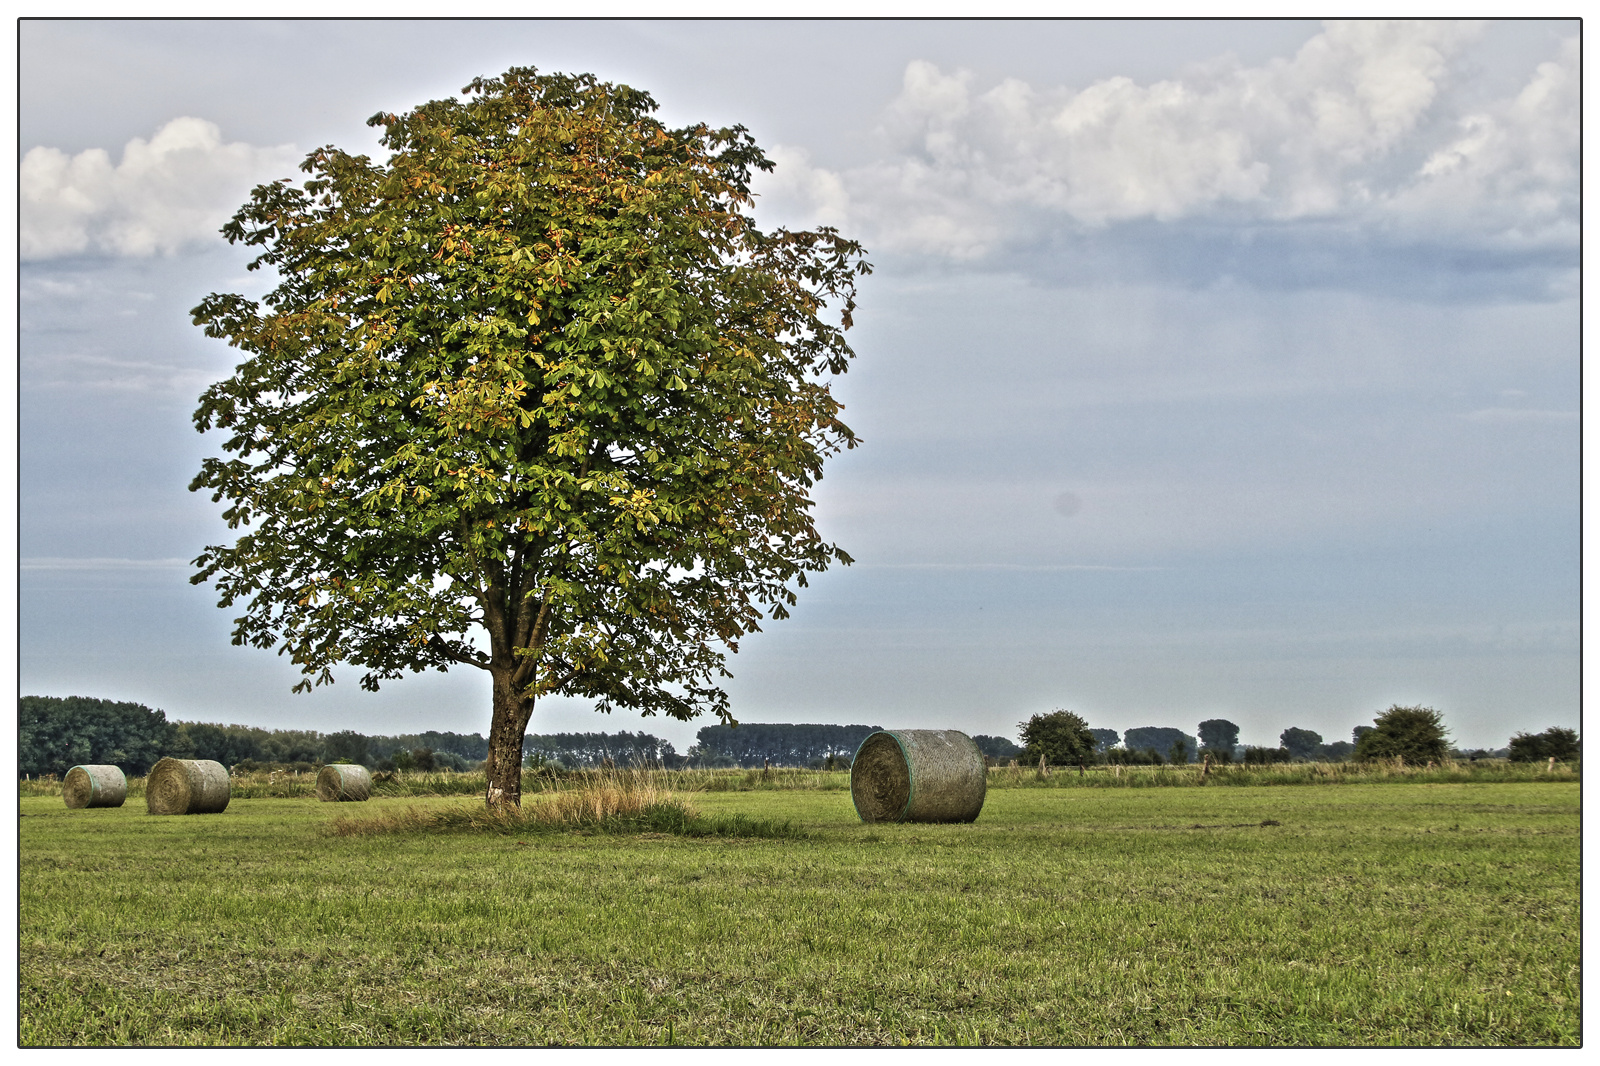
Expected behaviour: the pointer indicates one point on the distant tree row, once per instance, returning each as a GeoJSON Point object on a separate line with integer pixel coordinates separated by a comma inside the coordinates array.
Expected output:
{"type": "Point", "coordinates": [54, 734]}
{"type": "Point", "coordinates": [997, 748]}
{"type": "Point", "coordinates": [1416, 735]}
{"type": "Point", "coordinates": [57, 733]}
{"type": "Point", "coordinates": [584, 750]}
{"type": "Point", "coordinates": [1063, 738]}
{"type": "Point", "coordinates": [757, 743]}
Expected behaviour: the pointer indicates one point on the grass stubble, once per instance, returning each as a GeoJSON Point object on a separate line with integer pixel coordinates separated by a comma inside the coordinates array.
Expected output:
{"type": "Point", "coordinates": [1367, 914]}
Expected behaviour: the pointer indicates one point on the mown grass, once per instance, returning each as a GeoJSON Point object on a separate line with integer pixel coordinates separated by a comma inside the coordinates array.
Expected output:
{"type": "Point", "coordinates": [1371, 914]}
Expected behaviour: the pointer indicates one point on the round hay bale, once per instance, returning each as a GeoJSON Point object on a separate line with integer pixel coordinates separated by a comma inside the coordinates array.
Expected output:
{"type": "Point", "coordinates": [342, 782]}
{"type": "Point", "coordinates": [187, 786]}
{"type": "Point", "coordinates": [94, 786]}
{"type": "Point", "coordinates": [918, 775]}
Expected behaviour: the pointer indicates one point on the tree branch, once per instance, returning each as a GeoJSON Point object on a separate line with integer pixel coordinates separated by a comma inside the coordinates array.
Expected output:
{"type": "Point", "coordinates": [437, 644]}
{"type": "Point", "coordinates": [531, 662]}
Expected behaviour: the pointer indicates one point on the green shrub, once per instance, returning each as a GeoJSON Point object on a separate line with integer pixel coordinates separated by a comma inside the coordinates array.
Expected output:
{"type": "Point", "coordinates": [1413, 734]}
{"type": "Point", "coordinates": [1554, 743]}
{"type": "Point", "coordinates": [1060, 737]}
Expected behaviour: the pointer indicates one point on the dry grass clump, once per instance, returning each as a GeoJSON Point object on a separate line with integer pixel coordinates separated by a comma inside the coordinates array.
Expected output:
{"type": "Point", "coordinates": [612, 801]}
{"type": "Point", "coordinates": [616, 800]}
{"type": "Point", "coordinates": [598, 802]}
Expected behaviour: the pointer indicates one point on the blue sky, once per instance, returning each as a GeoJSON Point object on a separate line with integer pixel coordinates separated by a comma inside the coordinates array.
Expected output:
{"type": "Point", "coordinates": [1222, 369]}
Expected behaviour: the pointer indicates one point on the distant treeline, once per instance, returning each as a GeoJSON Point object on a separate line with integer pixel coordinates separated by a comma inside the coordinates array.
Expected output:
{"type": "Point", "coordinates": [997, 748]}
{"type": "Point", "coordinates": [758, 743]}
{"type": "Point", "coordinates": [57, 733]}
{"type": "Point", "coordinates": [1219, 738]}
{"type": "Point", "coordinates": [54, 735]}
{"type": "Point", "coordinates": [583, 750]}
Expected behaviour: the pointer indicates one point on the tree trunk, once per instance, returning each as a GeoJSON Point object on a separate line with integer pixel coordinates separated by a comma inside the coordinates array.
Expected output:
{"type": "Point", "coordinates": [506, 731]}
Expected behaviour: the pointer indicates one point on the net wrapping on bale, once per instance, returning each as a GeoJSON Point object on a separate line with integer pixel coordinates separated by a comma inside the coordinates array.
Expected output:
{"type": "Point", "coordinates": [187, 786]}
{"type": "Point", "coordinates": [343, 782]}
{"type": "Point", "coordinates": [94, 786]}
{"type": "Point", "coordinates": [918, 775]}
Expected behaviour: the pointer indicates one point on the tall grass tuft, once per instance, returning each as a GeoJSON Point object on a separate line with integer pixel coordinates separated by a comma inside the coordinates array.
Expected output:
{"type": "Point", "coordinates": [604, 801]}
{"type": "Point", "coordinates": [775, 778]}
{"type": "Point", "coordinates": [600, 797]}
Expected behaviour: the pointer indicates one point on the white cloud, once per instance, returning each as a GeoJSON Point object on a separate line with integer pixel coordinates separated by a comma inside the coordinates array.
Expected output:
{"type": "Point", "coordinates": [173, 190]}
{"type": "Point", "coordinates": [1358, 128]}
{"type": "Point", "coordinates": [797, 189]}
{"type": "Point", "coordinates": [1511, 170]}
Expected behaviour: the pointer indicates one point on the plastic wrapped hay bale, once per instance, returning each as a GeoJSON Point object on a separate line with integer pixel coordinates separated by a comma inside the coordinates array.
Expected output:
{"type": "Point", "coordinates": [918, 775]}
{"type": "Point", "coordinates": [339, 782]}
{"type": "Point", "coordinates": [94, 786]}
{"type": "Point", "coordinates": [187, 786]}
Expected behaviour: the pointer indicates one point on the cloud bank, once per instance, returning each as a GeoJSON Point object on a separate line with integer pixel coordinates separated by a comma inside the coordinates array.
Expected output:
{"type": "Point", "coordinates": [170, 192]}
{"type": "Point", "coordinates": [1371, 137]}
{"type": "Point", "coordinates": [1369, 128]}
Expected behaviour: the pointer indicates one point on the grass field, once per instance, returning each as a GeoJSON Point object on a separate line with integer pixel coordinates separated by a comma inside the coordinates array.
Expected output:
{"type": "Point", "coordinates": [1362, 914]}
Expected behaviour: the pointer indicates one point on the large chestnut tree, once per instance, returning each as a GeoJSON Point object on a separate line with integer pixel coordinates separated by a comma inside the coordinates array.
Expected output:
{"type": "Point", "coordinates": [534, 395]}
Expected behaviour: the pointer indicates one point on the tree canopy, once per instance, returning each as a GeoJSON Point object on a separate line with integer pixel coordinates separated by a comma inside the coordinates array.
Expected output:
{"type": "Point", "coordinates": [1160, 739]}
{"type": "Point", "coordinates": [1105, 739]}
{"type": "Point", "coordinates": [1219, 734]}
{"type": "Point", "coordinates": [534, 396]}
{"type": "Point", "coordinates": [1061, 737]}
{"type": "Point", "coordinates": [1553, 743]}
{"type": "Point", "coordinates": [55, 733]}
{"type": "Point", "coordinates": [1302, 744]}
{"type": "Point", "coordinates": [1414, 734]}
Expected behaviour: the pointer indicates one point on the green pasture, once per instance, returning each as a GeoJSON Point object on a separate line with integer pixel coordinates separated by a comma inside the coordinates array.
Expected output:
{"type": "Point", "coordinates": [1362, 914]}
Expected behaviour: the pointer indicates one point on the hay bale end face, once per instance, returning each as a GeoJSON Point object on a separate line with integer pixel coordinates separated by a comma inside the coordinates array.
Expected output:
{"type": "Point", "coordinates": [918, 775]}
{"type": "Point", "coordinates": [187, 786]}
{"type": "Point", "coordinates": [344, 782]}
{"type": "Point", "coordinates": [94, 786]}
